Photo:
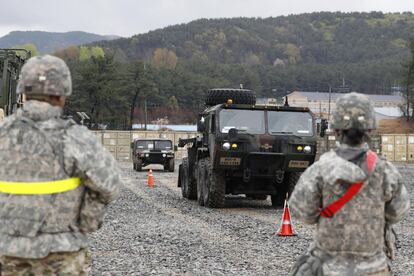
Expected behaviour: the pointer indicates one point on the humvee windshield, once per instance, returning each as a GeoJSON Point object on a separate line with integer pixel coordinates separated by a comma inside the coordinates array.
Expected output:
{"type": "Point", "coordinates": [145, 144]}
{"type": "Point", "coordinates": [285, 122]}
{"type": "Point", "coordinates": [249, 121]}
{"type": "Point", "coordinates": [163, 145]}
{"type": "Point", "coordinates": [154, 144]}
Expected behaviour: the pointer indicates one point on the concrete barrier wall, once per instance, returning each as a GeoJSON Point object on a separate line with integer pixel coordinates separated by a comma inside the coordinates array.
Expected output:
{"type": "Point", "coordinates": [396, 147]}
{"type": "Point", "coordinates": [119, 142]}
{"type": "Point", "coordinates": [330, 142]}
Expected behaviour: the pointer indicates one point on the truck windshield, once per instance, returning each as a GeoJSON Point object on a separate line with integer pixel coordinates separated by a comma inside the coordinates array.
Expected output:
{"type": "Point", "coordinates": [285, 122]}
{"type": "Point", "coordinates": [163, 145]}
{"type": "Point", "coordinates": [249, 121]}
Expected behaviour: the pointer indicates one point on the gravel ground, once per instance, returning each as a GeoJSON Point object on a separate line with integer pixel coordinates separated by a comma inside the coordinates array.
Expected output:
{"type": "Point", "coordinates": [154, 231]}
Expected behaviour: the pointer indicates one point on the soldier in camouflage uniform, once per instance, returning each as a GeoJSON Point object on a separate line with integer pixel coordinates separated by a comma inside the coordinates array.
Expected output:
{"type": "Point", "coordinates": [351, 241]}
{"type": "Point", "coordinates": [56, 179]}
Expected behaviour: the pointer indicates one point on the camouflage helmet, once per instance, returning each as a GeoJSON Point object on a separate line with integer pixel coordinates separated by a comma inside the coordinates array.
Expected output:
{"type": "Point", "coordinates": [45, 75]}
{"type": "Point", "coordinates": [354, 110]}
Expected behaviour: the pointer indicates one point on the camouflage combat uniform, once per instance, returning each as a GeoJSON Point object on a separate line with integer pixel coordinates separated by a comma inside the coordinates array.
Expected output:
{"type": "Point", "coordinates": [352, 241]}
{"type": "Point", "coordinates": [46, 233]}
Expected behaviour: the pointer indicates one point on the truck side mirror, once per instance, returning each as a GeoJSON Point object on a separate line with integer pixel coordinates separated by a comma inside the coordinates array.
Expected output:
{"type": "Point", "coordinates": [212, 125]}
{"type": "Point", "coordinates": [201, 124]}
{"type": "Point", "coordinates": [324, 127]}
{"type": "Point", "coordinates": [175, 147]}
{"type": "Point", "coordinates": [132, 145]}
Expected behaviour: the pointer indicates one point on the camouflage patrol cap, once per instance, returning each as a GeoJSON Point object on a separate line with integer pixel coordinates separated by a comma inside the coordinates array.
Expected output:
{"type": "Point", "coordinates": [45, 75]}
{"type": "Point", "coordinates": [354, 110]}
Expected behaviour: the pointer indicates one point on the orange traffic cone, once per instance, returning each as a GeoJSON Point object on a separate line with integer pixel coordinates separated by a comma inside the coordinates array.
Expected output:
{"type": "Point", "coordinates": [286, 228]}
{"type": "Point", "coordinates": [150, 179]}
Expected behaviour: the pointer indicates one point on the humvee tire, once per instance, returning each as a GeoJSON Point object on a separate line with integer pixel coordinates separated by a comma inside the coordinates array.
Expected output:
{"type": "Point", "coordinates": [289, 183]}
{"type": "Point", "coordinates": [214, 186]}
{"type": "Point", "coordinates": [188, 187]}
{"type": "Point", "coordinates": [238, 96]}
{"type": "Point", "coordinates": [138, 165]}
{"type": "Point", "coordinates": [171, 165]}
{"type": "Point", "coordinates": [180, 169]}
{"type": "Point", "coordinates": [200, 181]}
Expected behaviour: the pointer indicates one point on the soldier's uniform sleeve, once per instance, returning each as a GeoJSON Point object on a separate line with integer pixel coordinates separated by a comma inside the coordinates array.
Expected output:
{"type": "Point", "coordinates": [96, 165]}
{"type": "Point", "coordinates": [397, 201]}
{"type": "Point", "coordinates": [305, 200]}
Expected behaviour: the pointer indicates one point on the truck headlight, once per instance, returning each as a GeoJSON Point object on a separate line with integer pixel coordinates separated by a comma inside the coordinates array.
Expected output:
{"type": "Point", "coordinates": [163, 155]}
{"type": "Point", "coordinates": [146, 155]}
{"type": "Point", "coordinates": [226, 146]}
{"type": "Point", "coordinates": [307, 149]}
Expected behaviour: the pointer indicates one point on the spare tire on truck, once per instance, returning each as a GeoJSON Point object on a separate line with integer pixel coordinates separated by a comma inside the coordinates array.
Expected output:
{"type": "Point", "coordinates": [238, 96]}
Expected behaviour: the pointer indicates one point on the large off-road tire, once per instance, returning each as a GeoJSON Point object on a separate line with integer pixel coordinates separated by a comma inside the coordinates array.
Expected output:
{"type": "Point", "coordinates": [289, 181]}
{"type": "Point", "coordinates": [188, 186]}
{"type": "Point", "coordinates": [138, 165]}
{"type": "Point", "coordinates": [180, 169]}
{"type": "Point", "coordinates": [200, 179]}
{"type": "Point", "coordinates": [214, 187]}
{"type": "Point", "coordinates": [238, 96]}
{"type": "Point", "coordinates": [171, 165]}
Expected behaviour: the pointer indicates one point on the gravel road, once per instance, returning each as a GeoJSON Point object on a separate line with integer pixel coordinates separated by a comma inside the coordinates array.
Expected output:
{"type": "Point", "coordinates": [154, 231]}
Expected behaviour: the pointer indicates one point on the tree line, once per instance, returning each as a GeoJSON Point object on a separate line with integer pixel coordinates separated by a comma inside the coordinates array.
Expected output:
{"type": "Point", "coordinates": [113, 93]}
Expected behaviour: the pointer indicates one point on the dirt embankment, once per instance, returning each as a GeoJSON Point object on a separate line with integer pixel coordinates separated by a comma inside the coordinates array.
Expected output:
{"type": "Point", "coordinates": [395, 126]}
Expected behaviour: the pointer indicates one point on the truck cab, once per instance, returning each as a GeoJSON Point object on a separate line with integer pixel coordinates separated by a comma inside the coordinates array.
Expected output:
{"type": "Point", "coordinates": [11, 62]}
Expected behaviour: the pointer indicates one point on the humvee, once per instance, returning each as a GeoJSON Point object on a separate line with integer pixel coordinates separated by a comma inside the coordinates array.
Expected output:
{"type": "Point", "coordinates": [245, 148]}
{"type": "Point", "coordinates": [153, 151]}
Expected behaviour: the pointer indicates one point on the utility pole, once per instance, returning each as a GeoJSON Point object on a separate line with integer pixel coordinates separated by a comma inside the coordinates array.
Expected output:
{"type": "Point", "coordinates": [329, 104]}
{"type": "Point", "coordinates": [320, 109]}
{"type": "Point", "coordinates": [329, 122]}
{"type": "Point", "coordinates": [145, 113]}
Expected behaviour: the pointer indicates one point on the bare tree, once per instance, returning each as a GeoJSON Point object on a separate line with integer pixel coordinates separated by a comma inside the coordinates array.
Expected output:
{"type": "Point", "coordinates": [409, 82]}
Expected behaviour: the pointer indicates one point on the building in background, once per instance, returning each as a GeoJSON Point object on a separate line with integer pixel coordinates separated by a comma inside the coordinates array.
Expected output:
{"type": "Point", "coordinates": [321, 104]}
{"type": "Point", "coordinates": [266, 101]}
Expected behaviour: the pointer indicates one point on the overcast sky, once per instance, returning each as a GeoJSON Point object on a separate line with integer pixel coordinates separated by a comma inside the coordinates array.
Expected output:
{"type": "Point", "coordinates": [129, 17]}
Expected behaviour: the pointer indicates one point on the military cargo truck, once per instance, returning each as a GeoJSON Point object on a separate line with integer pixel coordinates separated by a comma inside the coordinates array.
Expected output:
{"type": "Point", "coordinates": [246, 149]}
{"type": "Point", "coordinates": [11, 62]}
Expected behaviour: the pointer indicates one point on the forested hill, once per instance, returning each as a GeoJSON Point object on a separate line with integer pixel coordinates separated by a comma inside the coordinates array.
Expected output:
{"type": "Point", "coordinates": [48, 42]}
{"type": "Point", "coordinates": [321, 38]}
{"type": "Point", "coordinates": [170, 69]}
